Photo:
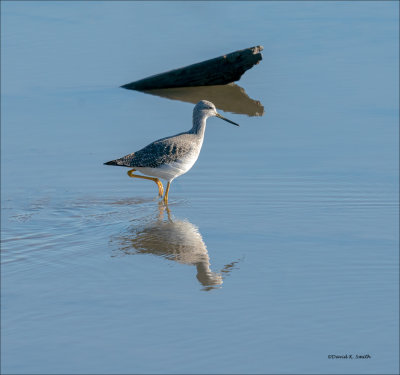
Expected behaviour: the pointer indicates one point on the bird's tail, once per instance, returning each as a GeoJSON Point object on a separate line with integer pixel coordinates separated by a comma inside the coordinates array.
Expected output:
{"type": "Point", "coordinates": [125, 161]}
{"type": "Point", "coordinates": [112, 162]}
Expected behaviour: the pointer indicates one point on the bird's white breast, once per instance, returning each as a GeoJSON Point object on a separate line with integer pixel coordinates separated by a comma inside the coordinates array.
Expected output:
{"type": "Point", "coordinates": [169, 171]}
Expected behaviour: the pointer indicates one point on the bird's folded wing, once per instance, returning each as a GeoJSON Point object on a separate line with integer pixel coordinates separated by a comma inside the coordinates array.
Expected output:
{"type": "Point", "coordinates": [155, 154]}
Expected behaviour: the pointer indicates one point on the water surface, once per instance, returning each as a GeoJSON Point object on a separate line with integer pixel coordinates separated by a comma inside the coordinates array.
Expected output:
{"type": "Point", "coordinates": [279, 247]}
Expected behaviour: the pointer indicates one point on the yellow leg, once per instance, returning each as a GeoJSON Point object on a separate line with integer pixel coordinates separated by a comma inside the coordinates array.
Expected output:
{"type": "Point", "coordinates": [156, 180]}
{"type": "Point", "coordinates": [166, 193]}
{"type": "Point", "coordinates": [161, 209]}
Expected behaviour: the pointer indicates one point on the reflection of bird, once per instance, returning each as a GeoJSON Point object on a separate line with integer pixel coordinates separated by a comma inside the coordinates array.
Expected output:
{"type": "Point", "coordinates": [173, 156]}
{"type": "Point", "coordinates": [177, 240]}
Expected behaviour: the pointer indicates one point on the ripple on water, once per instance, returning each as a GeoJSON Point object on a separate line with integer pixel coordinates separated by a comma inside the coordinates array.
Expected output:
{"type": "Point", "coordinates": [36, 232]}
{"type": "Point", "coordinates": [48, 225]}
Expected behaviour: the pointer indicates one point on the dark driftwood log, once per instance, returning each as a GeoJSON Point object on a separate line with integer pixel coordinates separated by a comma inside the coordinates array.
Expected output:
{"type": "Point", "coordinates": [219, 71]}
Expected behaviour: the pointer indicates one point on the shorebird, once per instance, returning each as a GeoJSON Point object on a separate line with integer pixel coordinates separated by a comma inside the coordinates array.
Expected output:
{"type": "Point", "coordinates": [170, 157]}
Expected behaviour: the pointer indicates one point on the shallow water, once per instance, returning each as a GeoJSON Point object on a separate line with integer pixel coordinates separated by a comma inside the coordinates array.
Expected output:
{"type": "Point", "coordinates": [279, 247]}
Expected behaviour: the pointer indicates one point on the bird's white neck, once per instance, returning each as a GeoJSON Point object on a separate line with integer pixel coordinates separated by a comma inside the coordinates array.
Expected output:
{"type": "Point", "coordinates": [199, 124]}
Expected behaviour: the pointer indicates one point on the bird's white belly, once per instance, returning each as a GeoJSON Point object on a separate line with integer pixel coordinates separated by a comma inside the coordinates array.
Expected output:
{"type": "Point", "coordinates": [171, 170]}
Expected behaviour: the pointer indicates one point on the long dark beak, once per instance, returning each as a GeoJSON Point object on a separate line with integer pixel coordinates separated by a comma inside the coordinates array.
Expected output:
{"type": "Point", "coordinates": [223, 118]}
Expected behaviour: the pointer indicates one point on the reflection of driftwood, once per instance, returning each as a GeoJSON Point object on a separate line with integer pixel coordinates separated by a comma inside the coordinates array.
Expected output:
{"type": "Point", "coordinates": [218, 71]}
{"type": "Point", "coordinates": [229, 98]}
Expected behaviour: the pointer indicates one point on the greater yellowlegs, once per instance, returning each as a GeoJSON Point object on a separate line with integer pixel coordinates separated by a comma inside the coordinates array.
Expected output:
{"type": "Point", "coordinates": [173, 156]}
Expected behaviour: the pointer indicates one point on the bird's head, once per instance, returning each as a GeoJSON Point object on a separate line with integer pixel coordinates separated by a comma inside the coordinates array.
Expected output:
{"type": "Point", "coordinates": [207, 109]}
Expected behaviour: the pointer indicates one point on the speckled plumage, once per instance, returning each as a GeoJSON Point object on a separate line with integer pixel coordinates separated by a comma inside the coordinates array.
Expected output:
{"type": "Point", "coordinates": [163, 151]}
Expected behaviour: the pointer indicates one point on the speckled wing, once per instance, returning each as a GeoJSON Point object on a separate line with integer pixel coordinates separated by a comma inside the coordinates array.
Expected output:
{"type": "Point", "coordinates": [163, 151]}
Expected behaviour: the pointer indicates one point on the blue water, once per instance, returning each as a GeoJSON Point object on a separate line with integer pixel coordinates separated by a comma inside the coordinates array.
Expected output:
{"type": "Point", "coordinates": [280, 246]}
